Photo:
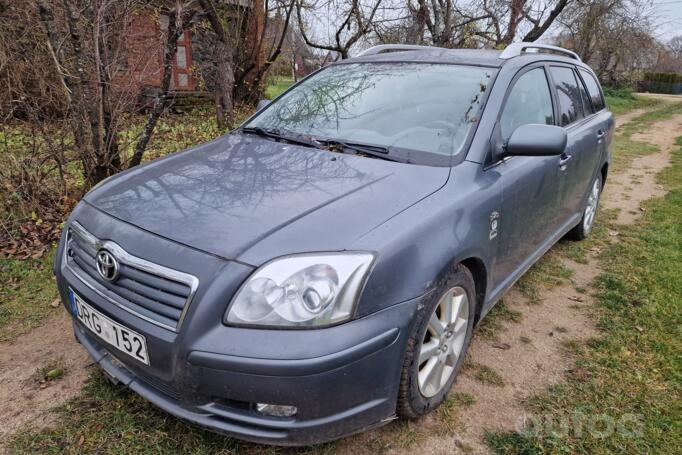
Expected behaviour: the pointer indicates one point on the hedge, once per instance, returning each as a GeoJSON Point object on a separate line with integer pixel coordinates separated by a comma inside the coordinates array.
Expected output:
{"type": "Point", "coordinates": [662, 83]}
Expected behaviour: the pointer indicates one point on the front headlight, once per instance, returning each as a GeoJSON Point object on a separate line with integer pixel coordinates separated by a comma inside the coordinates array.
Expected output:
{"type": "Point", "coordinates": [304, 290]}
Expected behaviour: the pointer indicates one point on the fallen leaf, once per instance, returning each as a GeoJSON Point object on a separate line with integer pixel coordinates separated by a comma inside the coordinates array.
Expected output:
{"type": "Point", "coordinates": [81, 440]}
{"type": "Point", "coordinates": [642, 209]}
{"type": "Point", "coordinates": [54, 374]}
{"type": "Point", "coordinates": [639, 329]}
{"type": "Point", "coordinates": [614, 233]}
{"type": "Point", "coordinates": [55, 303]}
{"type": "Point", "coordinates": [576, 298]}
{"type": "Point", "coordinates": [504, 346]}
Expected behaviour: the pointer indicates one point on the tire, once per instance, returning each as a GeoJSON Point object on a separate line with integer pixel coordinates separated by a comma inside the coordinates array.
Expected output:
{"type": "Point", "coordinates": [582, 230]}
{"type": "Point", "coordinates": [415, 397]}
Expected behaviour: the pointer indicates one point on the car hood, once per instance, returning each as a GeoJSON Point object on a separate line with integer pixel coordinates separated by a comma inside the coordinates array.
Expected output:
{"type": "Point", "coordinates": [238, 191]}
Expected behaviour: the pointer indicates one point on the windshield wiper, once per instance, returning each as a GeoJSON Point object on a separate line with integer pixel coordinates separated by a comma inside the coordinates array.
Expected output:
{"type": "Point", "coordinates": [279, 135]}
{"type": "Point", "coordinates": [377, 151]}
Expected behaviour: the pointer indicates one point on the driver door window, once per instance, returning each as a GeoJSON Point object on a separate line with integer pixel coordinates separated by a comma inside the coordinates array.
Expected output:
{"type": "Point", "coordinates": [529, 101]}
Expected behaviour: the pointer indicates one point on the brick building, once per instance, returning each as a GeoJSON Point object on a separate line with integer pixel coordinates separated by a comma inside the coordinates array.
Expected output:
{"type": "Point", "coordinates": [141, 68]}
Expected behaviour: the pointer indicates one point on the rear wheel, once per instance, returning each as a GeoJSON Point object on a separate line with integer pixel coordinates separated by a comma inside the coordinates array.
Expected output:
{"type": "Point", "coordinates": [583, 229]}
{"type": "Point", "coordinates": [437, 344]}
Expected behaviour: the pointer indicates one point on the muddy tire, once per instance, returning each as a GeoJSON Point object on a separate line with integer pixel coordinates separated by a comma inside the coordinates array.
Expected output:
{"type": "Point", "coordinates": [437, 345]}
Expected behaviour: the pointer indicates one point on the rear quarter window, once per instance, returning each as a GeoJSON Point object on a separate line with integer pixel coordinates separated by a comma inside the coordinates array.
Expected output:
{"type": "Point", "coordinates": [593, 89]}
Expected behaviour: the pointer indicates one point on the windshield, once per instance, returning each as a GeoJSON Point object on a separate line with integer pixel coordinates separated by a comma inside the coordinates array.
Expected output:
{"type": "Point", "coordinates": [414, 106]}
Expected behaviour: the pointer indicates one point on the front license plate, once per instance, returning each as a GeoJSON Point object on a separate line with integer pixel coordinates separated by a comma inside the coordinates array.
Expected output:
{"type": "Point", "coordinates": [122, 338]}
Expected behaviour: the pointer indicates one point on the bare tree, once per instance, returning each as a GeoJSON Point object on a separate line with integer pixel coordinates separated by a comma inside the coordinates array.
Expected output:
{"type": "Point", "coordinates": [504, 21]}
{"type": "Point", "coordinates": [675, 46]}
{"type": "Point", "coordinates": [239, 45]}
{"type": "Point", "coordinates": [173, 33]}
{"type": "Point", "coordinates": [87, 45]}
{"type": "Point", "coordinates": [614, 36]}
{"type": "Point", "coordinates": [224, 63]}
{"type": "Point", "coordinates": [352, 20]}
{"type": "Point", "coordinates": [488, 23]}
{"type": "Point", "coordinates": [270, 40]}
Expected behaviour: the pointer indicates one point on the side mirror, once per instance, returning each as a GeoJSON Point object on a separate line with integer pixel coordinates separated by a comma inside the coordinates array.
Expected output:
{"type": "Point", "coordinates": [262, 104]}
{"type": "Point", "coordinates": [536, 140]}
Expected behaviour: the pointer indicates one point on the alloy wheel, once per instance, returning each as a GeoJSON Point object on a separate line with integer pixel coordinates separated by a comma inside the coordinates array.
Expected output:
{"type": "Point", "coordinates": [591, 208]}
{"type": "Point", "coordinates": [443, 341]}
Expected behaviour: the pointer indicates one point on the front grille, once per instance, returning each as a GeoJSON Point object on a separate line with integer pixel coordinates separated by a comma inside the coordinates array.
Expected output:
{"type": "Point", "coordinates": [153, 292]}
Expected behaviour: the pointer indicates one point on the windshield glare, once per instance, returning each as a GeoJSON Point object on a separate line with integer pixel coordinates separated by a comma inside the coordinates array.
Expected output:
{"type": "Point", "coordinates": [415, 106]}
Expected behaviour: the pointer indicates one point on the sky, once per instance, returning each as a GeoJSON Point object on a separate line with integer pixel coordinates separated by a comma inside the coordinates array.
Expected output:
{"type": "Point", "coordinates": [669, 18]}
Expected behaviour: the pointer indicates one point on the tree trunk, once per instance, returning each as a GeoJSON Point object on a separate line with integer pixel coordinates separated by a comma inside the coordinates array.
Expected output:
{"type": "Point", "coordinates": [224, 59]}
{"type": "Point", "coordinates": [161, 102]}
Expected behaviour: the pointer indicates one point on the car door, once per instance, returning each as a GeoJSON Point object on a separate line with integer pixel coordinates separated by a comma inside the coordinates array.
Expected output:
{"type": "Point", "coordinates": [576, 166]}
{"type": "Point", "coordinates": [602, 119]}
{"type": "Point", "coordinates": [528, 184]}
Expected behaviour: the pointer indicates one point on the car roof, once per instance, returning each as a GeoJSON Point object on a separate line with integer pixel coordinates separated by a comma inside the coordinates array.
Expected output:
{"type": "Point", "coordinates": [474, 57]}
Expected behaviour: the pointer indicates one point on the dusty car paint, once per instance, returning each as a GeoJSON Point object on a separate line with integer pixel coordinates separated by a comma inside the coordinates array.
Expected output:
{"type": "Point", "coordinates": [221, 210]}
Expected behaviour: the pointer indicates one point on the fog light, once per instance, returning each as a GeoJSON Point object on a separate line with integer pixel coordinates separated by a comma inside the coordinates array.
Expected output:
{"type": "Point", "coordinates": [276, 410]}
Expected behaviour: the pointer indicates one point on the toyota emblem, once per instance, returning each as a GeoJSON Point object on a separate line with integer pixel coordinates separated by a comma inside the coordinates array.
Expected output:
{"type": "Point", "coordinates": [107, 265]}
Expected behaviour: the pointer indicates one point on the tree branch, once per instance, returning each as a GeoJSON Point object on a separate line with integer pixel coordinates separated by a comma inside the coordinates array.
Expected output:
{"type": "Point", "coordinates": [538, 30]}
{"type": "Point", "coordinates": [175, 29]}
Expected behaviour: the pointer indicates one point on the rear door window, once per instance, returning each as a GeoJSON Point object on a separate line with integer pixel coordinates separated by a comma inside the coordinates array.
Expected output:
{"type": "Point", "coordinates": [593, 90]}
{"type": "Point", "coordinates": [529, 101]}
{"type": "Point", "coordinates": [570, 101]}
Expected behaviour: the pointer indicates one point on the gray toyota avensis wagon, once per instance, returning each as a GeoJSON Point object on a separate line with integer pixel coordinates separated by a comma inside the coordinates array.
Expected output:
{"type": "Point", "coordinates": [319, 270]}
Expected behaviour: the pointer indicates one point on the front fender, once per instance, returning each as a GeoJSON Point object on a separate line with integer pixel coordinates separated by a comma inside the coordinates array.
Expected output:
{"type": "Point", "coordinates": [417, 245]}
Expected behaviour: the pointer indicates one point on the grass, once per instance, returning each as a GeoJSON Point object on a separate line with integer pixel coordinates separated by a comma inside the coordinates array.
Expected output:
{"type": "Point", "coordinates": [483, 373]}
{"type": "Point", "coordinates": [619, 103]}
{"type": "Point", "coordinates": [628, 397]}
{"type": "Point", "coordinates": [546, 273]}
{"type": "Point", "coordinates": [450, 414]}
{"type": "Point", "coordinates": [277, 86]}
{"type": "Point", "coordinates": [26, 295]}
{"type": "Point", "coordinates": [105, 419]}
{"type": "Point", "coordinates": [493, 323]}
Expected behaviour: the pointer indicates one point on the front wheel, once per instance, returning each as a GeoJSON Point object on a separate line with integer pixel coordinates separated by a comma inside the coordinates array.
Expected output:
{"type": "Point", "coordinates": [437, 344]}
{"type": "Point", "coordinates": [583, 229]}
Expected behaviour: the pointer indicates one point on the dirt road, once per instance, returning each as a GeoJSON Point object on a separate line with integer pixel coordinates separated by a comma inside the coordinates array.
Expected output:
{"type": "Point", "coordinates": [526, 356]}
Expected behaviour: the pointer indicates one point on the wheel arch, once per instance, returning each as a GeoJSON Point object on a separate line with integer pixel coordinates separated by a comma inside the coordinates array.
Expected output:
{"type": "Point", "coordinates": [480, 274]}
{"type": "Point", "coordinates": [604, 172]}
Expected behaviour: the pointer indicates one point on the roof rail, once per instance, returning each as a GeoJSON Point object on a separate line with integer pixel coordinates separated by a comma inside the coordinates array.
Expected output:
{"type": "Point", "coordinates": [395, 47]}
{"type": "Point", "coordinates": [516, 49]}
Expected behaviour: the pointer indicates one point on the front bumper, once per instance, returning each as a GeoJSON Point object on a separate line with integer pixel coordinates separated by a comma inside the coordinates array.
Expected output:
{"type": "Point", "coordinates": [337, 394]}
{"type": "Point", "coordinates": [341, 379]}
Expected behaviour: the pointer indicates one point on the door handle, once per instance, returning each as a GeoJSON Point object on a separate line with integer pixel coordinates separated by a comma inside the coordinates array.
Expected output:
{"type": "Point", "coordinates": [563, 160]}
{"type": "Point", "coordinates": [600, 134]}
